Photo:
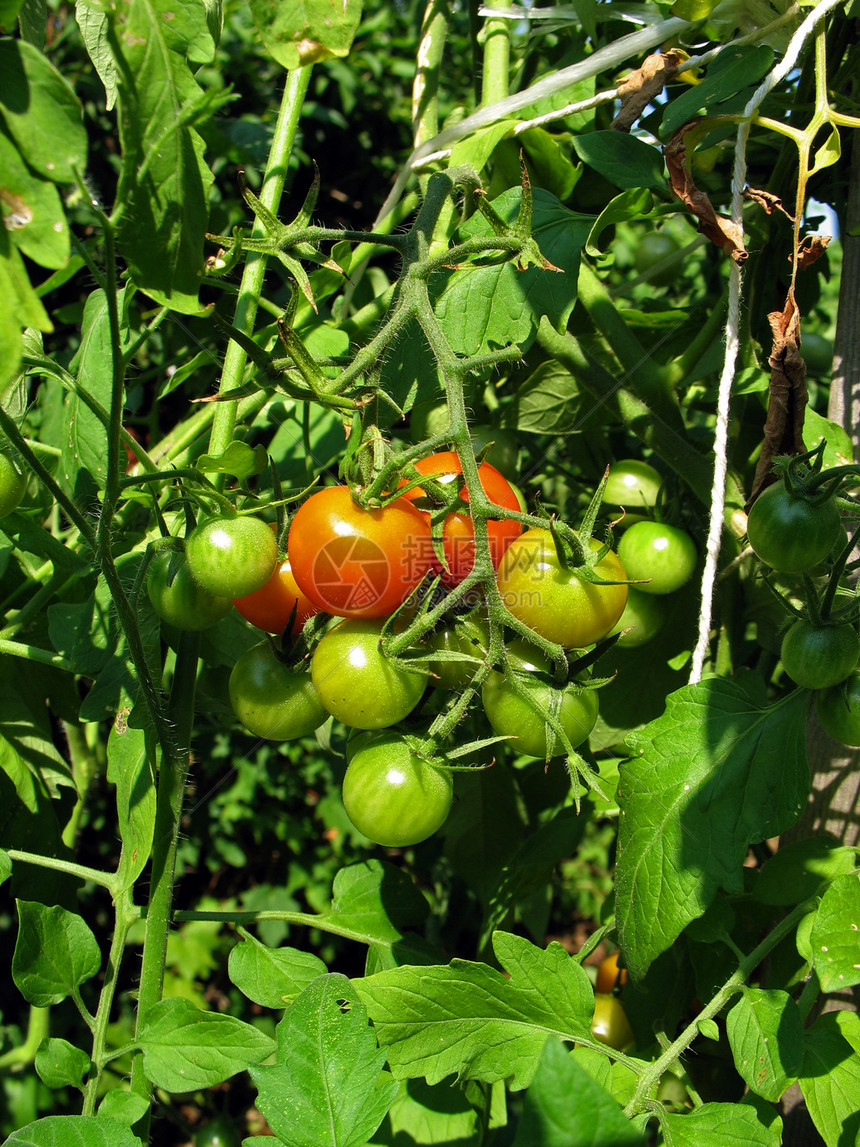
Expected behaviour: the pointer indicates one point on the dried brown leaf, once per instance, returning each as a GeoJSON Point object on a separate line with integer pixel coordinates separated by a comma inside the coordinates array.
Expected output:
{"type": "Point", "coordinates": [811, 248]}
{"type": "Point", "coordinates": [787, 396]}
{"type": "Point", "coordinates": [638, 89]}
{"type": "Point", "coordinates": [767, 200]}
{"type": "Point", "coordinates": [728, 236]}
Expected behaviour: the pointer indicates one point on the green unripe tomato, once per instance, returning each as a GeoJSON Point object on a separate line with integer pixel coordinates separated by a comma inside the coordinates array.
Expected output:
{"type": "Point", "coordinates": [428, 419]}
{"type": "Point", "coordinates": [643, 615]}
{"type": "Point", "coordinates": [357, 683]}
{"type": "Point", "coordinates": [652, 251]}
{"type": "Point", "coordinates": [838, 710]}
{"type": "Point", "coordinates": [217, 1133]}
{"type": "Point", "coordinates": [789, 533]}
{"type": "Point", "coordinates": [12, 485]}
{"type": "Point", "coordinates": [664, 555]}
{"type": "Point", "coordinates": [610, 1024]}
{"type": "Point", "coordinates": [818, 656]}
{"type": "Point", "coordinates": [394, 796]}
{"type": "Point", "coordinates": [270, 700]}
{"type": "Point", "coordinates": [232, 556]}
{"type": "Point", "coordinates": [632, 484]}
{"type": "Point", "coordinates": [182, 602]}
{"type": "Point", "coordinates": [512, 715]}
{"type": "Point", "coordinates": [817, 352]}
{"type": "Point", "coordinates": [467, 637]}
{"type": "Point", "coordinates": [506, 448]}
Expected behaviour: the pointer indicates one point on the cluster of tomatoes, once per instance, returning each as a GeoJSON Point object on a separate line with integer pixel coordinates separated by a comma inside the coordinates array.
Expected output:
{"type": "Point", "coordinates": [657, 557]}
{"type": "Point", "coordinates": [793, 533]}
{"type": "Point", "coordinates": [354, 567]}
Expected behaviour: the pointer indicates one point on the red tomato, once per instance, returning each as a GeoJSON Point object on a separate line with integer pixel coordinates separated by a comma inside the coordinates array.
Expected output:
{"type": "Point", "coordinates": [353, 562]}
{"type": "Point", "coordinates": [270, 607]}
{"type": "Point", "coordinates": [458, 533]}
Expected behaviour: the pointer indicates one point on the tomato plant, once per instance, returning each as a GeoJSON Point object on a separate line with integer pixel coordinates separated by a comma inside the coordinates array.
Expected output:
{"type": "Point", "coordinates": [511, 714]}
{"type": "Point", "coordinates": [555, 601]}
{"type": "Point", "coordinates": [179, 599]}
{"type": "Point", "coordinates": [394, 796]}
{"type": "Point", "coordinates": [13, 485]}
{"type": "Point", "coordinates": [632, 484]}
{"type": "Point", "coordinates": [357, 683]}
{"type": "Point", "coordinates": [659, 558]}
{"type": "Point", "coordinates": [458, 533]}
{"type": "Point", "coordinates": [789, 533]}
{"type": "Point", "coordinates": [819, 656]}
{"type": "Point", "coordinates": [644, 616]}
{"type": "Point", "coordinates": [610, 1024]}
{"type": "Point", "coordinates": [178, 340]}
{"type": "Point", "coordinates": [271, 606]}
{"type": "Point", "coordinates": [271, 700]}
{"type": "Point", "coordinates": [838, 709]}
{"type": "Point", "coordinates": [231, 556]}
{"type": "Point", "coordinates": [353, 562]}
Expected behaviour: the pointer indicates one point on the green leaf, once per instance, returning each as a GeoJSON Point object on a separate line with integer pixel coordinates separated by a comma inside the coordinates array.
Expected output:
{"type": "Point", "coordinates": [5, 866]}
{"type": "Point", "coordinates": [469, 1020]}
{"type": "Point", "coordinates": [32, 20]}
{"type": "Point", "coordinates": [41, 112]}
{"type": "Point", "coordinates": [836, 935]}
{"type": "Point", "coordinates": [828, 153]}
{"type": "Point", "coordinates": [622, 159]}
{"type": "Point", "coordinates": [32, 210]}
{"type": "Point", "coordinates": [548, 402]}
{"type": "Point", "coordinates": [531, 866]}
{"type": "Point", "coordinates": [271, 977]}
{"type": "Point", "coordinates": [486, 307]}
{"type": "Point", "coordinates": [838, 450]}
{"type": "Point", "coordinates": [374, 902]}
{"type": "Point", "coordinates": [717, 772]}
{"type": "Point", "coordinates": [61, 1064]}
{"type": "Point", "coordinates": [306, 31]}
{"type": "Point", "coordinates": [766, 1036]}
{"type": "Point", "coordinates": [799, 869]}
{"type": "Point", "coordinates": [185, 1048]}
{"type": "Point", "coordinates": [130, 768]}
{"type": "Point", "coordinates": [830, 1081]}
{"type": "Point", "coordinates": [84, 458]}
{"type": "Point", "coordinates": [73, 1131]}
{"type": "Point", "coordinates": [439, 1115]}
{"type": "Point", "coordinates": [239, 460]}
{"type": "Point", "coordinates": [636, 203]}
{"type": "Point", "coordinates": [720, 1125]}
{"type": "Point", "coordinates": [164, 181]}
{"type": "Point", "coordinates": [724, 88]}
{"type": "Point", "coordinates": [55, 952]}
{"type": "Point", "coordinates": [8, 13]}
{"type": "Point", "coordinates": [123, 1106]}
{"type": "Point", "coordinates": [565, 1105]}
{"type": "Point", "coordinates": [328, 1087]}
{"type": "Point", "coordinates": [21, 309]}
{"type": "Point", "coordinates": [93, 24]}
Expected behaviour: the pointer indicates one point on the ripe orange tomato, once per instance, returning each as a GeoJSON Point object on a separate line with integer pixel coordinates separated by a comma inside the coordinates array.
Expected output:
{"type": "Point", "coordinates": [353, 562]}
{"type": "Point", "coordinates": [270, 607]}
{"type": "Point", "coordinates": [458, 532]}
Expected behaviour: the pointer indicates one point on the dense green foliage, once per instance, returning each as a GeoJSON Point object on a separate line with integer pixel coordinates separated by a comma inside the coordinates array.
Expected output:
{"type": "Point", "coordinates": [410, 323]}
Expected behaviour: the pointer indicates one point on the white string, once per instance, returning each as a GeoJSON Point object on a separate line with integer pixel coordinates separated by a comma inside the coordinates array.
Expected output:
{"type": "Point", "coordinates": [718, 491]}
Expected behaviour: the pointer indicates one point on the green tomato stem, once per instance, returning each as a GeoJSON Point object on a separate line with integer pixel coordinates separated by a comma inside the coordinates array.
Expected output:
{"type": "Point", "coordinates": [251, 287]}
{"type": "Point", "coordinates": [649, 1077]}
